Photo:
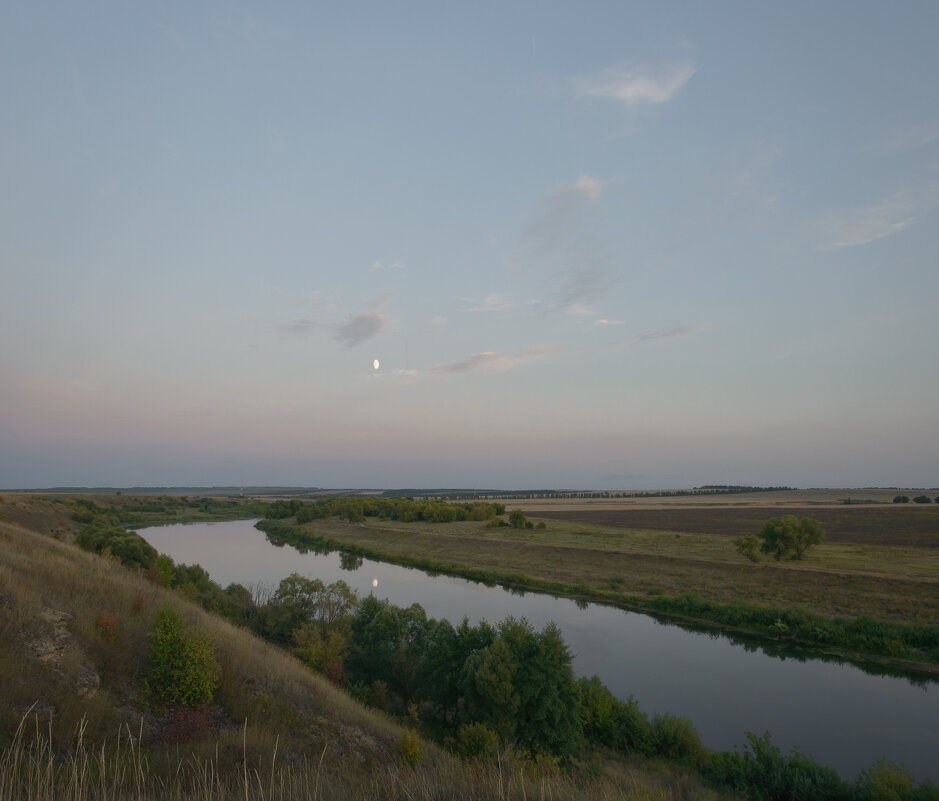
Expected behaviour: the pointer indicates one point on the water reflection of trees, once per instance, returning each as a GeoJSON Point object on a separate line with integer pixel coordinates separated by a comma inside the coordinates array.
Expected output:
{"type": "Point", "coordinates": [783, 650]}
{"type": "Point", "coordinates": [349, 561]}
{"type": "Point", "coordinates": [280, 541]}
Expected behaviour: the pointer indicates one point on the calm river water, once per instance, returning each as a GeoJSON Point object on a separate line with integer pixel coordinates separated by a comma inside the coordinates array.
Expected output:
{"type": "Point", "coordinates": [836, 712]}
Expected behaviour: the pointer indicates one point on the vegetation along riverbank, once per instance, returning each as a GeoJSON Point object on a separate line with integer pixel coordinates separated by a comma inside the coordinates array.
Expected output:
{"type": "Point", "coordinates": [872, 599]}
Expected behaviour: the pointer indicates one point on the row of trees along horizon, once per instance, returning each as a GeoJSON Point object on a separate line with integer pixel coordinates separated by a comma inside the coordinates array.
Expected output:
{"type": "Point", "coordinates": [474, 688]}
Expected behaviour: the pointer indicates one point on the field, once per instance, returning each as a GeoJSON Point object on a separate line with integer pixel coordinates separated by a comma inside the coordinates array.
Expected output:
{"type": "Point", "coordinates": [894, 525]}
{"type": "Point", "coordinates": [655, 552]}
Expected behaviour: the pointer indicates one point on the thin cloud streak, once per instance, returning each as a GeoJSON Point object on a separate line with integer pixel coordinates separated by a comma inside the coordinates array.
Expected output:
{"type": "Point", "coordinates": [302, 325]}
{"type": "Point", "coordinates": [580, 310]}
{"type": "Point", "coordinates": [497, 362]}
{"type": "Point", "coordinates": [492, 303]}
{"type": "Point", "coordinates": [397, 264]}
{"type": "Point", "coordinates": [668, 333]}
{"type": "Point", "coordinates": [864, 225]}
{"type": "Point", "coordinates": [361, 328]}
{"type": "Point", "coordinates": [632, 86]}
{"type": "Point", "coordinates": [559, 212]}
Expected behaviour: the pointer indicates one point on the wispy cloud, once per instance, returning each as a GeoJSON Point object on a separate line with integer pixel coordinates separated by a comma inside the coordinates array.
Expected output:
{"type": "Point", "coordinates": [302, 325]}
{"type": "Point", "coordinates": [497, 362]}
{"type": "Point", "coordinates": [605, 321]}
{"type": "Point", "coordinates": [361, 328]}
{"type": "Point", "coordinates": [580, 310]}
{"type": "Point", "coordinates": [634, 85]}
{"type": "Point", "coordinates": [668, 333]}
{"type": "Point", "coordinates": [859, 226]}
{"type": "Point", "coordinates": [558, 214]}
{"type": "Point", "coordinates": [491, 303]}
{"type": "Point", "coordinates": [909, 137]}
{"type": "Point", "coordinates": [397, 264]}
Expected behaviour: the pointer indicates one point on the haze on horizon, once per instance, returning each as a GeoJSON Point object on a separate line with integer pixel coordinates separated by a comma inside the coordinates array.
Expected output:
{"type": "Point", "coordinates": [615, 246]}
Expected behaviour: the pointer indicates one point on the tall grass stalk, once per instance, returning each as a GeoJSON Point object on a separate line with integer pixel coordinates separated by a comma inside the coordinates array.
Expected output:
{"type": "Point", "coordinates": [32, 769]}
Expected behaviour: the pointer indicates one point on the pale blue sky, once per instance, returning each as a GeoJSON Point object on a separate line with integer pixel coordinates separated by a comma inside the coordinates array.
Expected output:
{"type": "Point", "coordinates": [614, 245]}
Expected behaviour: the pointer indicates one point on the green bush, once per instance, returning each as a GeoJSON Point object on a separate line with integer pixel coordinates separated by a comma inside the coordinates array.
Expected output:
{"type": "Point", "coordinates": [677, 738]}
{"type": "Point", "coordinates": [475, 740]}
{"type": "Point", "coordinates": [922, 499]}
{"type": "Point", "coordinates": [884, 781]}
{"type": "Point", "coordinates": [410, 749]}
{"type": "Point", "coordinates": [764, 773]}
{"type": "Point", "coordinates": [748, 547]}
{"type": "Point", "coordinates": [517, 519]}
{"type": "Point", "coordinates": [633, 730]}
{"type": "Point", "coordinates": [182, 668]}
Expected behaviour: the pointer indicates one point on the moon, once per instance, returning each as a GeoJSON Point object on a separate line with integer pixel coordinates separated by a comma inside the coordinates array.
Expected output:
{"type": "Point", "coordinates": [376, 364]}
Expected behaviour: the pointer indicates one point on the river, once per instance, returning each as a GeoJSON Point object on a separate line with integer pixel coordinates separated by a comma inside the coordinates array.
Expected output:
{"type": "Point", "coordinates": [837, 712]}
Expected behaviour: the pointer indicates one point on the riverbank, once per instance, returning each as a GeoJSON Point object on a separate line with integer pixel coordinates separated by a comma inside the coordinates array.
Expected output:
{"type": "Point", "coordinates": [885, 617]}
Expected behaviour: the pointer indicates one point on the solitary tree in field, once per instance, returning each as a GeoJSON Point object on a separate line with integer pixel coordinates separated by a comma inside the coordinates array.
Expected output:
{"type": "Point", "coordinates": [789, 536]}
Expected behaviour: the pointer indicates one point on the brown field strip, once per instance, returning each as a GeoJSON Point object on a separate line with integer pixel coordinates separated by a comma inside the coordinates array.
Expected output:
{"type": "Point", "coordinates": [889, 525]}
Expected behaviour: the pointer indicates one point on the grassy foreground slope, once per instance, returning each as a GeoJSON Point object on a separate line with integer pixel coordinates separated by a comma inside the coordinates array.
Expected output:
{"type": "Point", "coordinates": [74, 641]}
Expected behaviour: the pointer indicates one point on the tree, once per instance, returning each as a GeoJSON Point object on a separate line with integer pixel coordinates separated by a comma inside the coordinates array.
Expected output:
{"type": "Point", "coordinates": [901, 499]}
{"type": "Point", "coordinates": [182, 668]}
{"type": "Point", "coordinates": [789, 536]}
{"type": "Point", "coordinates": [922, 499]}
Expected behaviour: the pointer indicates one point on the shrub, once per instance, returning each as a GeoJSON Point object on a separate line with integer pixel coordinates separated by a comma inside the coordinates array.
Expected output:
{"type": "Point", "coordinates": [677, 738]}
{"type": "Point", "coordinates": [901, 499]}
{"type": "Point", "coordinates": [884, 780]}
{"type": "Point", "coordinates": [476, 740]}
{"type": "Point", "coordinates": [599, 710]}
{"type": "Point", "coordinates": [517, 519]}
{"type": "Point", "coordinates": [182, 668]}
{"type": "Point", "coordinates": [763, 772]}
{"type": "Point", "coordinates": [748, 547]}
{"type": "Point", "coordinates": [410, 749]}
{"type": "Point", "coordinates": [922, 499]}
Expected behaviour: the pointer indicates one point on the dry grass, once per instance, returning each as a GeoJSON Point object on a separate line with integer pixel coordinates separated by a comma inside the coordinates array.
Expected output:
{"type": "Point", "coordinates": [259, 682]}
{"type": "Point", "coordinates": [31, 768]}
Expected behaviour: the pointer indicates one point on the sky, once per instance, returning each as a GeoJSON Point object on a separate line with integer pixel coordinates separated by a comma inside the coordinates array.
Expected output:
{"type": "Point", "coordinates": [620, 245]}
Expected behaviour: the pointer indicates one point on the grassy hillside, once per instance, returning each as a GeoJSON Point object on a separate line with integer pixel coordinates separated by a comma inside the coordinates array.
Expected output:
{"type": "Point", "coordinates": [74, 723]}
